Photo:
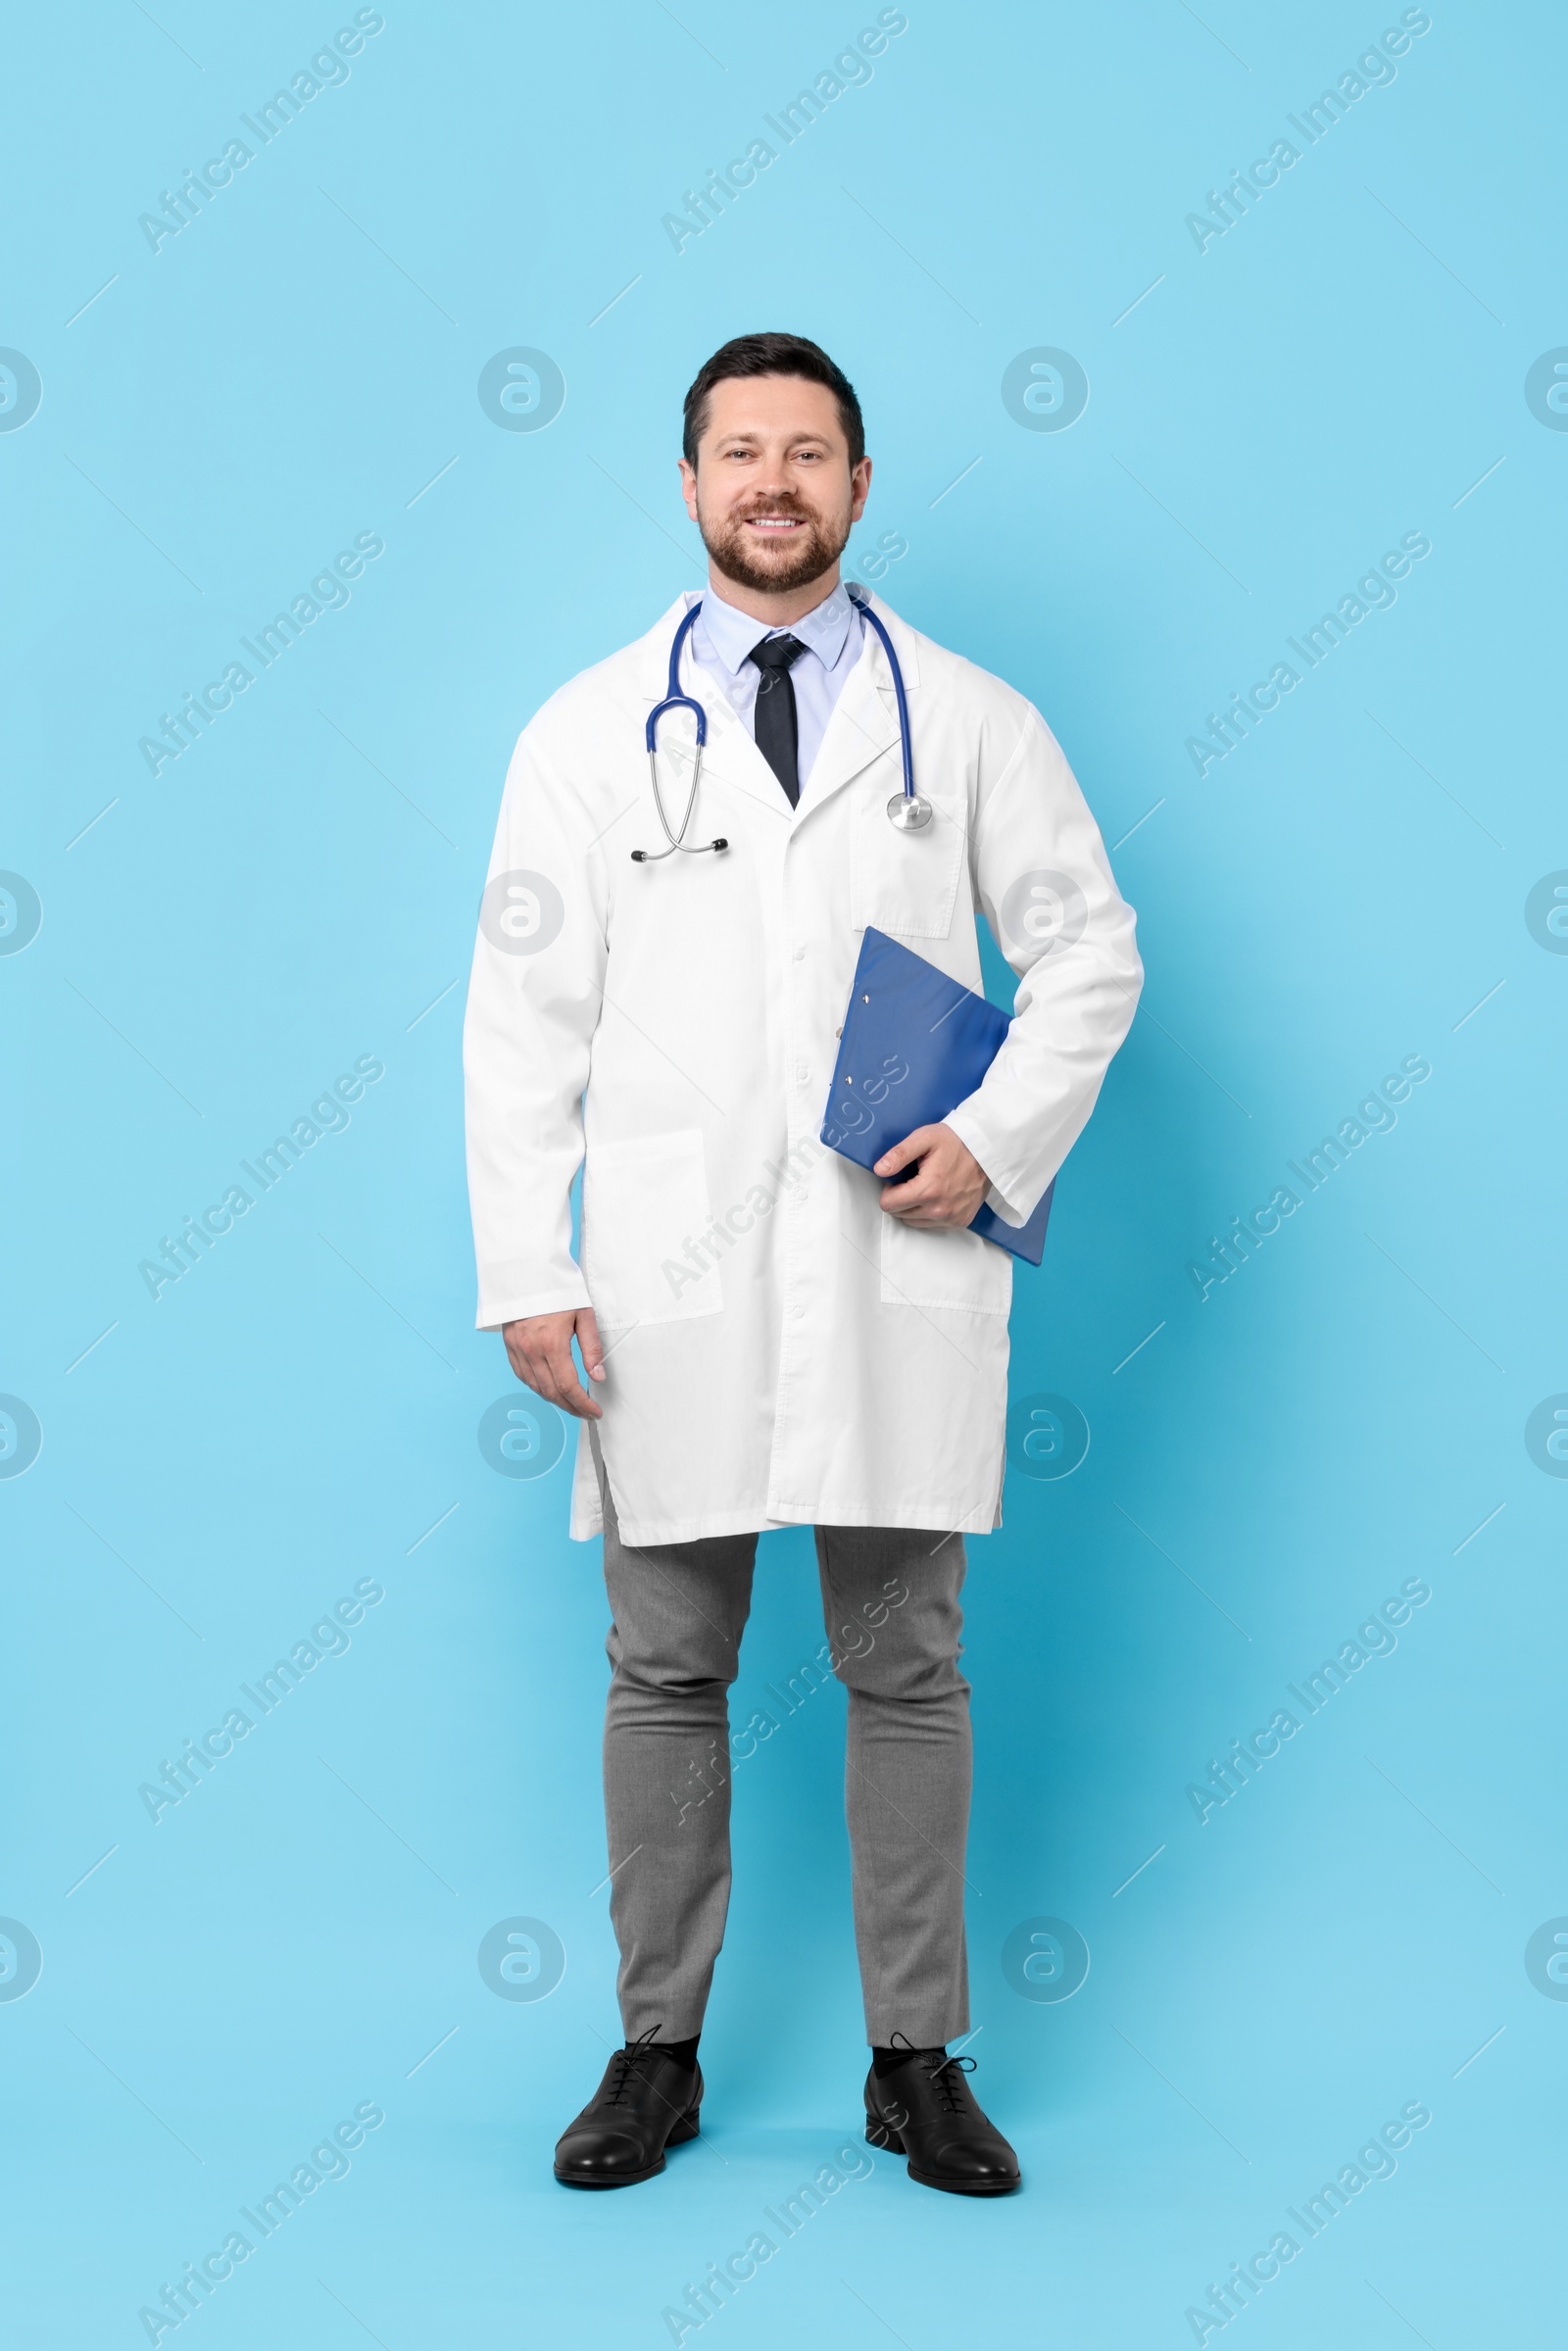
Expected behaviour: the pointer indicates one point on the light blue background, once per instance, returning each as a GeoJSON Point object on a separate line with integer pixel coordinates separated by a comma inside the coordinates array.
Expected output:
{"type": "Point", "coordinates": [299, 889]}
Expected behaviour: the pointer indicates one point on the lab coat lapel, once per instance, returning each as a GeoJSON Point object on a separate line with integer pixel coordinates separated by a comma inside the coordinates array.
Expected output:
{"type": "Point", "coordinates": [730, 756]}
{"type": "Point", "coordinates": [865, 717]}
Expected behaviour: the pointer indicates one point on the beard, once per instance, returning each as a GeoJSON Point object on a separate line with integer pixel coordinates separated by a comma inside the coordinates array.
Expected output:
{"type": "Point", "coordinates": [805, 555]}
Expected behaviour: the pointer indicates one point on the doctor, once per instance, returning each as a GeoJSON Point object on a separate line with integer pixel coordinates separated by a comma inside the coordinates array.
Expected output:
{"type": "Point", "coordinates": [768, 1337]}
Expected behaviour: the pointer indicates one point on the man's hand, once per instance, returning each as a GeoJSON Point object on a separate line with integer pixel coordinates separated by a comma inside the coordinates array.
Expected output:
{"type": "Point", "coordinates": [948, 1188]}
{"type": "Point", "coordinates": [539, 1348]}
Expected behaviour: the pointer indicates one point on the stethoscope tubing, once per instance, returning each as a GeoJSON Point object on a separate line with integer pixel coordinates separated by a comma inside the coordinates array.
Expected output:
{"type": "Point", "coordinates": [675, 700]}
{"type": "Point", "coordinates": [866, 613]}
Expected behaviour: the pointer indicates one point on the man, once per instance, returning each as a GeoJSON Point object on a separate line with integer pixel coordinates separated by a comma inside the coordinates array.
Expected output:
{"type": "Point", "coordinates": [770, 1337]}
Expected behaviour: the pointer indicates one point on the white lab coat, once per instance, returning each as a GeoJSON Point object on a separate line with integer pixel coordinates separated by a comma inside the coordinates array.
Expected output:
{"type": "Point", "coordinates": [779, 1350]}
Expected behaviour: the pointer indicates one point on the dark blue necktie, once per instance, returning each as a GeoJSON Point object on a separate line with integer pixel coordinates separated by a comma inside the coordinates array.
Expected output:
{"type": "Point", "coordinates": [777, 725]}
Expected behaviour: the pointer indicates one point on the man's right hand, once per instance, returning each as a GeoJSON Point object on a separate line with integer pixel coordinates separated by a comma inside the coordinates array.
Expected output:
{"type": "Point", "coordinates": [539, 1349]}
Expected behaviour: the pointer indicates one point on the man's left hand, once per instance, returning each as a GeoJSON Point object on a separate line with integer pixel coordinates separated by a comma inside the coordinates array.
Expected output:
{"type": "Point", "coordinates": [948, 1187]}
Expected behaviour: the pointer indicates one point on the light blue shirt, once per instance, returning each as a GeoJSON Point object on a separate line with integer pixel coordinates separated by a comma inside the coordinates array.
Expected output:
{"type": "Point", "coordinates": [832, 633]}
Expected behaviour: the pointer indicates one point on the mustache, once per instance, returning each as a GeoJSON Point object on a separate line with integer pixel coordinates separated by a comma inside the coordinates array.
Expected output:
{"type": "Point", "coordinates": [787, 507]}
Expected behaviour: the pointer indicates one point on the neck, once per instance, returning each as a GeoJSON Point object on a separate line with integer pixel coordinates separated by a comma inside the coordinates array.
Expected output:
{"type": "Point", "coordinates": [777, 608]}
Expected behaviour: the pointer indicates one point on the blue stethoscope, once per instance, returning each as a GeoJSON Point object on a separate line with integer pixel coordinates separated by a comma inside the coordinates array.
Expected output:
{"type": "Point", "coordinates": [906, 811]}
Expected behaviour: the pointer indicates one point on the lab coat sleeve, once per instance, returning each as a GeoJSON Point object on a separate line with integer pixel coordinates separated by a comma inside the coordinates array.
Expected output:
{"type": "Point", "coordinates": [533, 1006]}
{"type": "Point", "coordinates": [1042, 880]}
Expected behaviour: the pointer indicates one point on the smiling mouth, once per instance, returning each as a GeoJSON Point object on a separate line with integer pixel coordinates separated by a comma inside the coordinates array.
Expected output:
{"type": "Point", "coordinates": [775, 523]}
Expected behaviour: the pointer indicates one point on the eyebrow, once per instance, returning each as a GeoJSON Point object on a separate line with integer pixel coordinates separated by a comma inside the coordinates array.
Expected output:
{"type": "Point", "coordinates": [752, 433]}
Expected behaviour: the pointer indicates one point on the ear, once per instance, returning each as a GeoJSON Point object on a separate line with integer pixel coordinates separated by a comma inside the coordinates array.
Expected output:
{"type": "Point", "coordinates": [859, 488]}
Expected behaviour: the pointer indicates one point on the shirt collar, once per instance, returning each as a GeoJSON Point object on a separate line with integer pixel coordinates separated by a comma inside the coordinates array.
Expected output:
{"type": "Point", "coordinates": [732, 633]}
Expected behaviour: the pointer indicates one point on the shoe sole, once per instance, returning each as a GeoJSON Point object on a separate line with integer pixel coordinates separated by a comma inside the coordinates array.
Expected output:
{"type": "Point", "coordinates": [881, 2135]}
{"type": "Point", "coordinates": [686, 2129]}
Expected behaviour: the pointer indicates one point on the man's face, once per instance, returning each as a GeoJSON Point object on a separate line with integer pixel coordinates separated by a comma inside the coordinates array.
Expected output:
{"type": "Point", "coordinates": [773, 491]}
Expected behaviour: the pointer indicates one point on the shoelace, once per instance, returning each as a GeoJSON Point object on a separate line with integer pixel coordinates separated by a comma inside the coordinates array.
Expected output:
{"type": "Point", "coordinates": [629, 2063]}
{"type": "Point", "coordinates": [945, 2073]}
{"type": "Point", "coordinates": [947, 2080]}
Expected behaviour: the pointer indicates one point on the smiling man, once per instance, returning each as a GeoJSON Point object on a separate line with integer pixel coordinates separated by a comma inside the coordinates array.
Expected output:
{"type": "Point", "coordinates": [769, 1337]}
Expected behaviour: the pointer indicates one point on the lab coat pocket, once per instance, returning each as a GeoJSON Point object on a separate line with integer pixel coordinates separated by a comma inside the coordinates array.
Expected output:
{"type": "Point", "coordinates": [905, 883]}
{"type": "Point", "coordinates": [643, 1202]}
{"type": "Point", "coordinates": [945, 1268]}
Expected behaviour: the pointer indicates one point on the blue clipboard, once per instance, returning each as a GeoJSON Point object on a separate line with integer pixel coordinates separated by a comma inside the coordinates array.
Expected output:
{"type": "Point", "coordinates": [915, 1045]}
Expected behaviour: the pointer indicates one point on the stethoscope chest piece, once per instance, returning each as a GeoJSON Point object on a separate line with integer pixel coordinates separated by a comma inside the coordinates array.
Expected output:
{"type": "Point", "coordinates": [907, 812]}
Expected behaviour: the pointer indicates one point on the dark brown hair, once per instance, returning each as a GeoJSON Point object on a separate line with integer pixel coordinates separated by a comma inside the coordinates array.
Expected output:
{"type": "Point", "coordinates": [772, 354]}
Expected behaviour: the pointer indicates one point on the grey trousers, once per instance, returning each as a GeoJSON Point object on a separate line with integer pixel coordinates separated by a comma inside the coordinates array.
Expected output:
{"type": "Point", "coordinates": [890, 1607]}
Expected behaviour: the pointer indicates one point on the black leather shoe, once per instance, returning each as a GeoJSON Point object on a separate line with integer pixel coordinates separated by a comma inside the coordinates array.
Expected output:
{"type": "Point", "coordinates": [926, 2111]}
{"type": "Point", "coordinates": [645, 2103]}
